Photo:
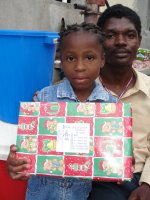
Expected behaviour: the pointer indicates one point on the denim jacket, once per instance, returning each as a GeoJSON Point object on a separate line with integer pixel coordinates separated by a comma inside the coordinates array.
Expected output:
{"type": "Point", "coordinates": [63, 92]}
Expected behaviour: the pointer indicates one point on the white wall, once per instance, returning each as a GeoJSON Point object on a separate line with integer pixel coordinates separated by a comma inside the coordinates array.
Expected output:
{"type": "Point", "coordinates": [47, 14]}
{"type": "Point", "coordinates": [36, 14]}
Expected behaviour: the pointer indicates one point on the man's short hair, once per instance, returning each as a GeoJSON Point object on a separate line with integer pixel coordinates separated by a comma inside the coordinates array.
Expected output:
{"type": "Point", "coordinates": [119, 11]}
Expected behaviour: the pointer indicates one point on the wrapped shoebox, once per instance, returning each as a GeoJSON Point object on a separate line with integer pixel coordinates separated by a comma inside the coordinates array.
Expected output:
{"type": "Point", "coordinates": [142, 60]}
{"type": "Point", "coordinates": [81, 140]}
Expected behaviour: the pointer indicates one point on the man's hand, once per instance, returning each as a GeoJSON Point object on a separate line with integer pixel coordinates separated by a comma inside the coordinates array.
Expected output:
{"type": "Point", "coordinates": [19, 165]}
{"type": "Point", "coordinates": [141, 193]}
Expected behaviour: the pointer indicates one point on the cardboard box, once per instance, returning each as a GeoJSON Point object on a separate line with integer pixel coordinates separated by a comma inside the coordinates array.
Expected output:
{"type": "Point", "coordinates": [86, 140]}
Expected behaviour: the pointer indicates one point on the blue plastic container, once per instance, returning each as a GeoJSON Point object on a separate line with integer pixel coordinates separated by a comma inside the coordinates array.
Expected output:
{"type": "Point", "coordinates": [26, 65]}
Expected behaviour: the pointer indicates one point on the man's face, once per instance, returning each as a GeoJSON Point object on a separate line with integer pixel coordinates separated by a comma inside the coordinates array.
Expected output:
{"type": "Point", "coordinates": [122, 41]}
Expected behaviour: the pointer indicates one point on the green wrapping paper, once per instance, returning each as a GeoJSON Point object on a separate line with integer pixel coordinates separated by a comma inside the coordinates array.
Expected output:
{"type": "Point", "coordinates": [79, 140]}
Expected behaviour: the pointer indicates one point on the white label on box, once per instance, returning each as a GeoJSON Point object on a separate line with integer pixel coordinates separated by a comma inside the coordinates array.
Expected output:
{"type": "Point", "coordinates": [73, 137]}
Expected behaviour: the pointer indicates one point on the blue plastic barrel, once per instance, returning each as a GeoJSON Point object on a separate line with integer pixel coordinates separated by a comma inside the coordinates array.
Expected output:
{"type": "Point", "coordinates": [26, 65]}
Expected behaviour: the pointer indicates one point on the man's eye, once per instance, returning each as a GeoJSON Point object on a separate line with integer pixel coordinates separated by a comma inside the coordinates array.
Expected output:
{"type": "Point", "coordinates": [109, 36]}
{"type": "Point", "coordinates": [131, 35]}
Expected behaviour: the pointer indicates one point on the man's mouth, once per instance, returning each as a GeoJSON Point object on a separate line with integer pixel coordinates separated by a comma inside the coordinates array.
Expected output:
{"type": "Point", "coordinates": [121, 53]}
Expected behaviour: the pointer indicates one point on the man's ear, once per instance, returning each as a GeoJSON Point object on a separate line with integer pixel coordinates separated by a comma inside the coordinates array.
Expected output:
{"type": "Point", "coordinates": [103, 60]}
{"type": "Point", "coordinates": [140, 39]}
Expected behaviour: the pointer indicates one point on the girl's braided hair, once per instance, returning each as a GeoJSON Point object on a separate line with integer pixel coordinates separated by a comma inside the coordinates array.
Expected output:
{"type": "Point", "coordinates": [89, 27]}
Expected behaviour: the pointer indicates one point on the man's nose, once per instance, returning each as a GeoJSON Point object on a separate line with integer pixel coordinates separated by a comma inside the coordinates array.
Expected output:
{"type": "Point", "coordinates": [121, 40]}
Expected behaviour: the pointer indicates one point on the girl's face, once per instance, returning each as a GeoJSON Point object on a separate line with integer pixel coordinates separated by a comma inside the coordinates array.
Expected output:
{"type": "Point", "coordinates": [82, 56]}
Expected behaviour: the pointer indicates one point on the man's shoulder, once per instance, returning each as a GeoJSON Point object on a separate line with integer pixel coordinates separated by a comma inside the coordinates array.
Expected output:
{"type": "Point", "coordinates": [143, 77]}
{"type": "Point", "coordinates": [143, 81]}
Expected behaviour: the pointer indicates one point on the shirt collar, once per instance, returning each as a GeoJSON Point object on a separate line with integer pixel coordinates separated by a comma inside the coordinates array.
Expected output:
{"type": "Point", "coordinates": [65, 91]}
{"type": "Point", "coordinates": [140, 83]}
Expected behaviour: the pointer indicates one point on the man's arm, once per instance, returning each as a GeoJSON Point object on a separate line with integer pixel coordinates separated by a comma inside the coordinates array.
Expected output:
{"type": "Point", "coordinates": [143, 191]}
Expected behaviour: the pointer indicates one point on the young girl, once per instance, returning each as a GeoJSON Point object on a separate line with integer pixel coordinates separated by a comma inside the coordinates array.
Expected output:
{"type": "Point", "coordinates": [82, 57]}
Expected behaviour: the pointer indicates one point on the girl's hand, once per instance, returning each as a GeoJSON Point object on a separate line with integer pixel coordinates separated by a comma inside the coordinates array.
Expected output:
{"type": "Point", "coordinates": [17, 165]}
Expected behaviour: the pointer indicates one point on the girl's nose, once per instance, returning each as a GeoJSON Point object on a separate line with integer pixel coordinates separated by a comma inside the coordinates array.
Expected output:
{"type": "Point", "coordinates": [80, 66]}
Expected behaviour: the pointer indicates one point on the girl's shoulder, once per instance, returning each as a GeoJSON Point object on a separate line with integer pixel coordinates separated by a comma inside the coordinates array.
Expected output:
{"type": "Point", "coordinates": [49, 93]}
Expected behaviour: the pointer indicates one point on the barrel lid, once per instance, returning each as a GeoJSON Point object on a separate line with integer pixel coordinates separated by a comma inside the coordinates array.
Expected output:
{"type": "Point", "coordinates": [28, 33]}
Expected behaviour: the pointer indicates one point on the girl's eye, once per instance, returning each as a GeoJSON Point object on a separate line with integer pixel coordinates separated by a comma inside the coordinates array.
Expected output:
{"type": "Point", "coordinates": [90, 57]}
{"type": "Point", "coordinates": [70, 58]}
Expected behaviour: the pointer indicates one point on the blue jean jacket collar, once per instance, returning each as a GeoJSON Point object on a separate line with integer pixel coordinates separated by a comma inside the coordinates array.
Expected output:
{"type": "Point", "coordinates": [99, 93]}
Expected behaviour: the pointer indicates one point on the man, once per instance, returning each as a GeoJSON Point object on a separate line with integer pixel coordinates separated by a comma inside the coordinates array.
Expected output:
{"type": "Point", "coordinates": [122, 27]}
